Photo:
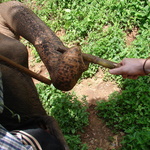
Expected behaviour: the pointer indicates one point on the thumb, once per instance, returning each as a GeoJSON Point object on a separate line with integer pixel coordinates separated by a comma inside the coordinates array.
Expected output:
{"type": "Point", "coordinates": [116, 71]}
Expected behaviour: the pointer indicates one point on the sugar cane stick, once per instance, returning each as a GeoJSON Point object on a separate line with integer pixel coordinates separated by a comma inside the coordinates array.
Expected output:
{"type": "Point", "coordinates": [100, 61]}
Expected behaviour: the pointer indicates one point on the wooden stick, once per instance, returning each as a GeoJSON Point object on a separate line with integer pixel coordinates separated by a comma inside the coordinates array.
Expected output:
{"type": "Point", "coordinates": [25, 70]}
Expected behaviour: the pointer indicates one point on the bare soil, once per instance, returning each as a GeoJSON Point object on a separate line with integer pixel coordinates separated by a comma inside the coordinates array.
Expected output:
{"type": "Point", "coordinates": [97, 134]}
{"type": "Point", "coordinates": [131, 36]}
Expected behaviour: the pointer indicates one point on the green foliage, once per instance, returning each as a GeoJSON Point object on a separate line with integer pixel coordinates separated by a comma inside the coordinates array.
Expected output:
{"type": "Point", "coordinates": [139, 140]}
{"type": "Point", "coordinates": [4, 1]}
{"type": "Point", "coordinates": [74, 142]}
{"type": "Point", "coordinates": [141, 46]}
{"type": "Point", "coordinates": [128, 111]}
{"type": "Point", "coordinates": [70, 113]}
{"type": "Point", "coordinates": [107, 44]}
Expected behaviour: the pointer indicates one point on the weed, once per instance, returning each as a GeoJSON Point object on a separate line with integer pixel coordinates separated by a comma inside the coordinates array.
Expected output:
{"type": "Point", "coordinates": [129, 111]}
{"type": "Point", "coordinates": [70, 113]}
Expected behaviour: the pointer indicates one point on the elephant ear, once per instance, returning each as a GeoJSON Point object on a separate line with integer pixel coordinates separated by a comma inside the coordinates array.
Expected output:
{"type": "Point", "coordinates": [69, 69]}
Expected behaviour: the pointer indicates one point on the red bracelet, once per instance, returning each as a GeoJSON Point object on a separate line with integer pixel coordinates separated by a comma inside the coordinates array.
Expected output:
{"type": "Point", "coordinates": [144, 66]}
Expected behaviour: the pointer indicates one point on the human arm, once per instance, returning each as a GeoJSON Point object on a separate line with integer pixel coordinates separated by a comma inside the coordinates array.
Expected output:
{"type": "Point", "coordinates": [132, 68]}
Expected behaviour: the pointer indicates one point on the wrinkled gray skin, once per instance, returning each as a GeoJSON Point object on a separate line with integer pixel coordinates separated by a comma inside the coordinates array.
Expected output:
{"type": "Point", "coordinates": [64, 65]}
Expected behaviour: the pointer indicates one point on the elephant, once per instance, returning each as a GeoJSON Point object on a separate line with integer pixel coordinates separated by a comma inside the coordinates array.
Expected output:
{"type": "Point", "coordinates": [65, 66]}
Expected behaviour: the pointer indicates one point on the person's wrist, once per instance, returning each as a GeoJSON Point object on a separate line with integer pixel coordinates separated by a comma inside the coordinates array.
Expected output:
{"type": "Point", "coordinates": [146, 66]}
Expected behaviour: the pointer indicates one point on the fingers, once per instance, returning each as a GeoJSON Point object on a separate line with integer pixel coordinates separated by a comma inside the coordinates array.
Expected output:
{"type": "Point", "coordinates": [119, 71]}
{"type": "Point", "coordinates": [116, 71]}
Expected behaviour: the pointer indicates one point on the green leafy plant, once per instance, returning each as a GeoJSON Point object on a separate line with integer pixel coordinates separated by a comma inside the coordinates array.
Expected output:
{"type": "Point", "coordinates": [139, 140]}
{"type": "Point", "coordinates": [75, 143]}
{"type": "Point", "coordinates": [128, 111]}
{"type": "Point", "coordinates": [70, 113]}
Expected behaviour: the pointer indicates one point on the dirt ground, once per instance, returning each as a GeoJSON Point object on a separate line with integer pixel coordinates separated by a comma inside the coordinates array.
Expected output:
{"type": "Point", "coordinates": [96, 134]}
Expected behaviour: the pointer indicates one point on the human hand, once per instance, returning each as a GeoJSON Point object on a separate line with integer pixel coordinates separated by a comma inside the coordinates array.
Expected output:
{"type": "Point", "coordinates": [130, 68]}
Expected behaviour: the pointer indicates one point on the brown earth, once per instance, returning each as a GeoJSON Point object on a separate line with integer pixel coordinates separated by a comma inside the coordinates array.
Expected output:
{"type": "Point", "coordinates": [131, 36]}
